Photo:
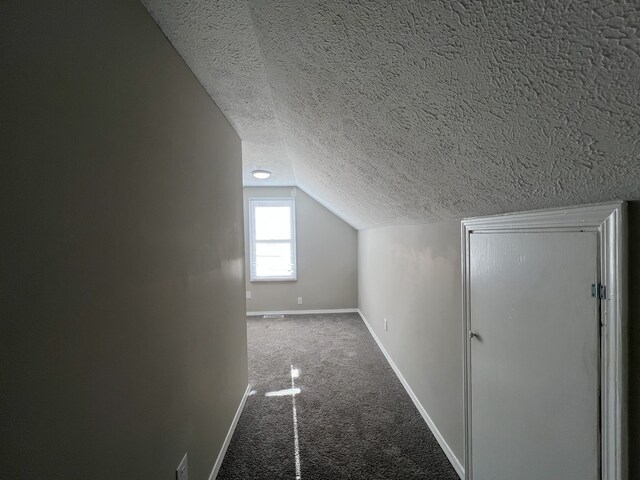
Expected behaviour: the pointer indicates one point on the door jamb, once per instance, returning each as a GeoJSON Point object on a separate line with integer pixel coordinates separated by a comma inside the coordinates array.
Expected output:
{"type": "Point", "coordinates": [609, 220]}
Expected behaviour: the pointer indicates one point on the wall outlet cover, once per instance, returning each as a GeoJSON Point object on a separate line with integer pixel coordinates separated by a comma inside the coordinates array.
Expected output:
{"type": "Point", "coordinates": [182, 472]}
{"type": "Point", "coordinates": [299, 300]}
{"type": "Point", "coordinates": [248, 294]}
{"type": "Point", "coordinates": [386, 326]}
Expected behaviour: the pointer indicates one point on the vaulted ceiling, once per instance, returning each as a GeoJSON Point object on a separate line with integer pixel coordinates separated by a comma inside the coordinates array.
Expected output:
{"type": "Point", "coordinates": [392, 112]}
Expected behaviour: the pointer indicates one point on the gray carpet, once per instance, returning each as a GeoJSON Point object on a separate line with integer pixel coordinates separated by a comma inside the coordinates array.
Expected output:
{"type": "Point", "coordinates": [354, 418]}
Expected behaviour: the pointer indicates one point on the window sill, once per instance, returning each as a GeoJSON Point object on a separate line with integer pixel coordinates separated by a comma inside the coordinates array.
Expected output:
{"type": "Point", "coordinates": [273, 279]}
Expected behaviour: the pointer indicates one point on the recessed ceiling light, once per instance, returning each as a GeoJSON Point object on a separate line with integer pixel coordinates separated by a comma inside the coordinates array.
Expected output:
{"type": "Point", "coordinates": [261, 174]}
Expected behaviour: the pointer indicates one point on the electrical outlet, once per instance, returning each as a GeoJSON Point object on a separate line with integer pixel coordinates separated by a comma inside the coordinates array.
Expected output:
{"type": "Point", "coordinates": [299, 300]}
{"type": "Point", "coordinates": [182, 472]}
{"type": "Point", "coordinates": [248, 294]}
{"type": "Point", "coordinates": [386, 325]}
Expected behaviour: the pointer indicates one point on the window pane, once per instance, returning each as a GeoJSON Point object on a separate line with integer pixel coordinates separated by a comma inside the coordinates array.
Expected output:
{"type": "Point", "coordinates": [273, 260]}
{"type": "Point", "coordinates": [272, 223]}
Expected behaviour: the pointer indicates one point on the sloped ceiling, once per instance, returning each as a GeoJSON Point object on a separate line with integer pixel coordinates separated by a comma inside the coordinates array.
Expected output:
{"type": "Point", "coordinates": [392, 112]}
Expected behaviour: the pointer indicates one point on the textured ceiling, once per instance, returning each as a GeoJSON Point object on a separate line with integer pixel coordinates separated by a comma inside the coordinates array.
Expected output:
{"type": "Point", "coordinates": [396, 112]}
{"type": "Point", "coordinates": [218, 42]}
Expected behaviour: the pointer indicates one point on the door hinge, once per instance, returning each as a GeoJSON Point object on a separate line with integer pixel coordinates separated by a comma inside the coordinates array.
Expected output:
{"type": "Point", "coordinates": [598, 291]}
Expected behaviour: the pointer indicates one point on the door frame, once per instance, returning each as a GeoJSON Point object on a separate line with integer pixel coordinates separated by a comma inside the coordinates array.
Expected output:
{"type": "Point", "coordinates": [609, 221]}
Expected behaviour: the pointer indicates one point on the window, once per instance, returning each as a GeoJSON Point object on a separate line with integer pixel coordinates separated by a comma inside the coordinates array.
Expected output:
{"type": "Point", "coordinates": [272, 239]}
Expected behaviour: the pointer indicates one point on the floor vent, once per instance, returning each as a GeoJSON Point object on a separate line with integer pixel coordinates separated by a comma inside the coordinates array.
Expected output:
{"type": "Point", "coordinates": [273, 315]}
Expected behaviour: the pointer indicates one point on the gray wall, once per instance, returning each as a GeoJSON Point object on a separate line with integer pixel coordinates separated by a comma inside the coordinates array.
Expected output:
{"type": "Point", "coordinates": [122, 340]}
{"type": "Point", "coordinates": [327, 259]}
{"type": "Point", "coordinates": [411, 276]}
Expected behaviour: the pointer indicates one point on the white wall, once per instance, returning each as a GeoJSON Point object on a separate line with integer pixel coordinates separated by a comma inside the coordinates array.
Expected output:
{"type": "Point", "coordinates": [122, 314]}
{"type": "Point", "coordinates": [327, 259]}
{"type": "Point", "coordinates": [411, 275]}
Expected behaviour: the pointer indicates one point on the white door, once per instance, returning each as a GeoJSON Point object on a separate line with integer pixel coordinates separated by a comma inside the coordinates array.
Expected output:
{"type": "Point", "coordinates": [534, 364]}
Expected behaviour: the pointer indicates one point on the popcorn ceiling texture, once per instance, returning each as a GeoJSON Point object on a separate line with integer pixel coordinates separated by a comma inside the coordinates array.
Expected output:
{"type": "Point", "coordinates": [396, 112]}
{"type": "Point", "coordinates": [217, 40]}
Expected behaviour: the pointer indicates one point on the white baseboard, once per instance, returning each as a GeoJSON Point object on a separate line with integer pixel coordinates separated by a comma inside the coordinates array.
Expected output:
{"type": "Point", "coordinates": [436, 433]}
{"type": "Point", "coordinates": [303, 312]}
{"type": "Point", "coordinates": [227, 440]}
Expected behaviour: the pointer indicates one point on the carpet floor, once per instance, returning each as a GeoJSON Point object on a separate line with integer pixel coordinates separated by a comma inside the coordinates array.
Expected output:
{"type": "Point", "coordinates": [326, 405]}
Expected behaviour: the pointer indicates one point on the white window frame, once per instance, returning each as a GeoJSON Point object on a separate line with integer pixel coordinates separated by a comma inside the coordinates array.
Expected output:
{"type": "Point", "coordinates": [271, 202]}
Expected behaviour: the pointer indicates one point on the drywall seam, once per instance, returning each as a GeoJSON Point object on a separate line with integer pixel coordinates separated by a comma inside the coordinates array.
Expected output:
{"type": "Point", "coordinates": [227, 440]}
{"type": "Point", "coordinates": [457, 465]}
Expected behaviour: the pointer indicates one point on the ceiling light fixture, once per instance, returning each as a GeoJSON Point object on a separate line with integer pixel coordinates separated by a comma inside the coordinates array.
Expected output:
{"type": "Point", "coordinates": [261, 174]}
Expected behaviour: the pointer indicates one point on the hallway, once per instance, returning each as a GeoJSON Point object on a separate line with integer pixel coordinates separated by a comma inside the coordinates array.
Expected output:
{"type": "Point", "coordinates": [320, 381]}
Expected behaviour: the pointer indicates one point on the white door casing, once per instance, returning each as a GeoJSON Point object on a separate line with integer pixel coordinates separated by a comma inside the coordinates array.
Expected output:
{"type": "Point", "coordinates": [599, 231]}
